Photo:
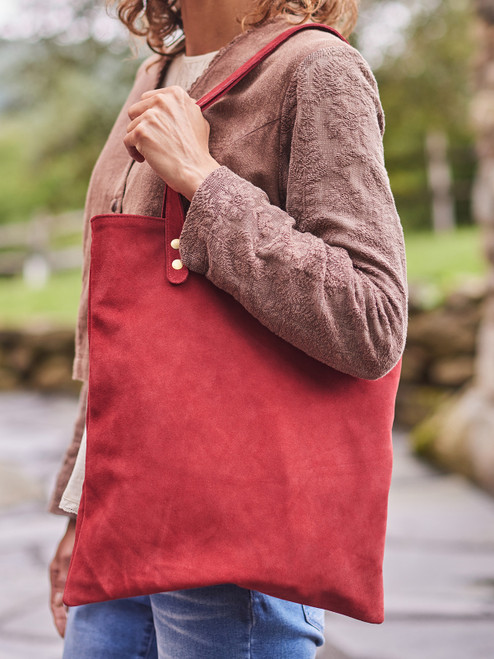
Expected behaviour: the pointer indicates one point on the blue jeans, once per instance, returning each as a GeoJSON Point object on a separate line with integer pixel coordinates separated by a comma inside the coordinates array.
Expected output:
{"type": "Point", "coordinates": [214, 622]}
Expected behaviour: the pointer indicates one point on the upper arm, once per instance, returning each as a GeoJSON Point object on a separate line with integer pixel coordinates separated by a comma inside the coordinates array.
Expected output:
{"type": "Point", "coordinates": [337, 184]}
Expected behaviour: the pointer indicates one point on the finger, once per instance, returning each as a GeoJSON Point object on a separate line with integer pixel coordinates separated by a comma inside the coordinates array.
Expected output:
{"type": "Point", "coordinates": [60, 619]}
{"type": "Point", "coordinates": [130, 145]}
{"type": "Point", "coordinates": [59, 611]}
{"type": "Point", "coordinates": [133, 124]}
{"type": "Point", "coordinates": [58, 605]}
{"type": "Point", "coordinates": [56, 596]}
{"type": "Point", "coordinates": [172, 90]}
{"type": "Point", "coordinates": [58, 578]}
{"type": "Point", "coordinates": [153, 92]}
{"type": "Point", "coordinates": [140, 107]}
{"type": "Point", "coordinates": [135, 155]}
{"type": "Point", "coordinates": [161, 97]}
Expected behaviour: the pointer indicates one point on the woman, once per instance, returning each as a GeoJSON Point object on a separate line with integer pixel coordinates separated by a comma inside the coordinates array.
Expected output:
{"type": "Point", "coordinates": [299, 143]}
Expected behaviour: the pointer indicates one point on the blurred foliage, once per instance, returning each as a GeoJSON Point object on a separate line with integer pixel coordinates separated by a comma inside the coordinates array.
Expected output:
{"type": "Point", "coordinates": [58, 103]}
{"type": "Point", "coordinates": [426, 87]}
{"type": "Point", "coordinates": [446, 258]}
{"type": "Point", "coordinates": [63, 87]}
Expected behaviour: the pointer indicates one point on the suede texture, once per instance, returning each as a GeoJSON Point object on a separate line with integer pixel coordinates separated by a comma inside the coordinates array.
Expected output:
{"type": "Point", "coordinates": [219, 451]}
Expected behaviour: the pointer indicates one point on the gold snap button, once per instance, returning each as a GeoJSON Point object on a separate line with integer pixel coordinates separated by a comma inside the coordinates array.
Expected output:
{"type": "Point", "coordinates": [177, 264]}
{"type": "Point", "coordinates": [175, 243]}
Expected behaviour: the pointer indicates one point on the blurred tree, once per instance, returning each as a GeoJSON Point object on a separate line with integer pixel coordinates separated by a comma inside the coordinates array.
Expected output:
{"type": "Point", "coordinates": [69, 22]}
{"type": "Point", "coordinates": [483, 116]}
{"type": "Point", "coordinates": [425, 89]}
{"type": "Point", "coordinates": [62, 88]}
{"type": "Point", "coordinates": [65, 80]}
{"type": "Point", "coordinates": [461, 433]}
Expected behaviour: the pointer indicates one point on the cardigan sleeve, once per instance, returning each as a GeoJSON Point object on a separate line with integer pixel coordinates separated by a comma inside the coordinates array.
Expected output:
{"type": "Point", "coordinates": [328, 274]}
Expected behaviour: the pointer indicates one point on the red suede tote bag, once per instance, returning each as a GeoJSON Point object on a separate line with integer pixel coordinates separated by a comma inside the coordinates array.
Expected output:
{"type": "Point", "coordinates": [217, 452]}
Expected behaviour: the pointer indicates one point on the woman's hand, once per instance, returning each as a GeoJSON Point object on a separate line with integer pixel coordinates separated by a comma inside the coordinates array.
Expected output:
{"type": "Point", "coordinates": [58, 575]}
{"type": "Point", "coordinates": [169, 132]}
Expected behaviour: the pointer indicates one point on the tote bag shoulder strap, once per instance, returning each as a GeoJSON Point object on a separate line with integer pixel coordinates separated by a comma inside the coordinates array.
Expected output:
{"type": "Point", "coordinates": [172, 210]}
{"type": "Point", "coordinates": [227, 84]}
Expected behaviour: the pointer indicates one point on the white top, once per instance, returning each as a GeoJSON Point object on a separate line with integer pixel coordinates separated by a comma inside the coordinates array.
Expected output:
{"type": "Point", "coordinates": [185, 69]}
{"type": "Point", "coordinates": [182, 71]}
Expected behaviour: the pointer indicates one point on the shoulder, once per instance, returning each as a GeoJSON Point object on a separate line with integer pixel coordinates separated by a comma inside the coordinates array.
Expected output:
{"type": "Point", "coordinates": [330, 72]}
{"type": "Point", "coordinates": [315, 53]}
{"type": "Point", "coordinates": [340, 63]}
{"type": "Point", "coordinates": [306, 46]}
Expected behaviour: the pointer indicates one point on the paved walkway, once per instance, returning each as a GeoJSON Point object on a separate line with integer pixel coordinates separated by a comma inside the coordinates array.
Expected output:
{"type": "Point", "coordinates": [439, 565]}
{"type": "Point", "coordinates": [438, 572]}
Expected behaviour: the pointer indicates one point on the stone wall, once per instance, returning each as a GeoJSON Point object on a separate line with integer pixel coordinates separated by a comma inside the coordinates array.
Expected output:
{"type": "Point", "coordinates": [439, 357]}
{"type": "Point", "coordinates": [39, 360]}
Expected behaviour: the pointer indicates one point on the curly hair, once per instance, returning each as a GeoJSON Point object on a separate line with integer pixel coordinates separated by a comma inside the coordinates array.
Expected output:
{"type": "Point", "coordinates": [158, 19]}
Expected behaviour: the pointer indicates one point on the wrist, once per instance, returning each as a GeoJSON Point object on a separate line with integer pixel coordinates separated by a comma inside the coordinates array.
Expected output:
{"type": "Point", "coordinates": [194, 177]}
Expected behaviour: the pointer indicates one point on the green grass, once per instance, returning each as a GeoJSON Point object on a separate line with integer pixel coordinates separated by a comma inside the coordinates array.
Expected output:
{"type": "Point", "coordinates": [445, 260]}
{"type": "Point", "coordinates": [438, 261]}
{"type": "Point", "coordinates": [55, 304]}
{"type": "Point", "coordinates": [67, 240]}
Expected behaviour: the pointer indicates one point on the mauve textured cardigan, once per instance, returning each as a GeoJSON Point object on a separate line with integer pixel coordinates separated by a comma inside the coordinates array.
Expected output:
{"type": "Point", "coordinates": [299, 222]}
